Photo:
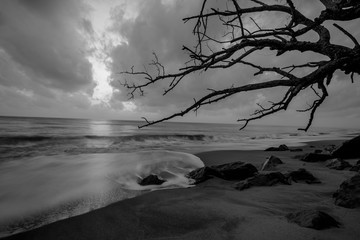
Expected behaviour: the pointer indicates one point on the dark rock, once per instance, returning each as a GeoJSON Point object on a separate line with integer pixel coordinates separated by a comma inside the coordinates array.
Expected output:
{"type": "Point", "coordinates": [151, 180]}
{"type": "Point", "coordinates": [270, 163]}
{"type": "Point", "coordinates": [313, 219]}
{"type": "Point", "coordinates": [268, 179]}
{"type": "Point", "coordinates": [227, 171]}
{"type": "Point", "coordinates": [348, 195]}
{"type": "Point", "coordinates": [316, 157]}
{"type": "Point", "coordinates": [318, 151]}
{"type": "Point", "coordinates": [338, 164]}
{"type": "Point", "coordinates": [349, 149]}
{"type": "Point", "coordinates": [282, 147]}
{"type": "Point", "coordinates": [270, 149]}
{"type": "Point", "coordinates": [330, 148]}
{"type": "Point", "coordinates": [201, 174]}
{"type": "Point", "coordinates": [356, 167]}
{"type": "Point", "coordinates": [302, 175]}
{"type": "Point", "coordinates": [234, 171]}
{"type": "Point", "coordinates": [296, 150]}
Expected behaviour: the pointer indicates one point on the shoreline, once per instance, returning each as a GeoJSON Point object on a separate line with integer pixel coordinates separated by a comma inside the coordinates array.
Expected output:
{"type": "Point", "coordinates": [213, 208]}
{"type": "Point", "coordinates": [214, 157]}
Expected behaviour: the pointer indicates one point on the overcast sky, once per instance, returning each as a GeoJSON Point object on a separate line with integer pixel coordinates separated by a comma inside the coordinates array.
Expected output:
{"type": "Point", "coordinates": [62, 58]}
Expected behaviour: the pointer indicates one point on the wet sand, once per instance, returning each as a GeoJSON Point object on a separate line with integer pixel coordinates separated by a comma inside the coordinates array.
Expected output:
{"type": "Point", "coordinates": [215, 210]}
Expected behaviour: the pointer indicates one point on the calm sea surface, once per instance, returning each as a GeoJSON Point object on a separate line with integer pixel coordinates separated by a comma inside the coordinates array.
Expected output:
{"type": "Point", "coordinates": [28, 137]}
{"type": "Point", "coordinates": [52, 169]}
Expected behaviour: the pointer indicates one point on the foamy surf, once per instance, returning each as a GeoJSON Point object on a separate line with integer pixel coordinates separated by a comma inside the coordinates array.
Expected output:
{"type": "Point", "coordinates": [40, 190]}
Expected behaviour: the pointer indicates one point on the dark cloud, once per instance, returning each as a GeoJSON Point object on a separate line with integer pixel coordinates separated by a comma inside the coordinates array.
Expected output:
{"type": "Point", "coordinates": [44, 43]}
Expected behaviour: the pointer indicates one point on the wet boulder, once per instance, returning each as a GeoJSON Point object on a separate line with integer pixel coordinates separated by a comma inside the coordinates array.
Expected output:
{"type": "Point", "coordinates": [270, 163]}
{"type": "Point", "coordinates": [356, 167]}
{"type": "Point", "coordinates": [282, 147]}
{"type": "Point", "coordinates": [313, 219]}
{"type": "Point", "coordinates": [201, 174]}
{"type": "Point", "coordinates": [235, 170]}
{"type": "Point", "coordinates": [337, 164]}
{"type": "Point", "coordinates": [302, 175]}
{"type": "Point", "coordinates": [315, 157]}
{"type": "Point", "coordinates": [268, 179]}
{"type": "Point", "coordinates": [349, 149]}
{"type": "Point", "coordinates": [348, 195]}
{"type": "Point", "coordinates": [227, 171]}
{"type": "Point", "coordinates": [151, 180]}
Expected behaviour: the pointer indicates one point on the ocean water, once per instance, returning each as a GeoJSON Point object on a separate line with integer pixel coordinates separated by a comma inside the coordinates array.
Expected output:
{"type": "Point", "coordinates": [51, 169]}
{"type": "Point", "coordinates": [30, 137]}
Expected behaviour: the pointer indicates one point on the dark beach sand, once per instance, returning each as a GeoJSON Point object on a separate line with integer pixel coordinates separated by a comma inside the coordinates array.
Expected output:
{"type": "Point", "coordinates": [215, 210]}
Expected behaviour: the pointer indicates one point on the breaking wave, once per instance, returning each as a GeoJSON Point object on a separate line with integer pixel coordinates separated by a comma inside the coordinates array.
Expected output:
{"type": "Point", "coordinates": [60, 186]}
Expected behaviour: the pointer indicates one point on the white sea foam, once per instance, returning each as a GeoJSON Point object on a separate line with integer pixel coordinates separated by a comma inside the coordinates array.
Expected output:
{"type": "Point", "coordinates": [84, 182]}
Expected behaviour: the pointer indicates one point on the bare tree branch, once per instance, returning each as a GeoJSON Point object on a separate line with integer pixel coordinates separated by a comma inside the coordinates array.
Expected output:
{"type": "Point", "coordinates": [240, 41]}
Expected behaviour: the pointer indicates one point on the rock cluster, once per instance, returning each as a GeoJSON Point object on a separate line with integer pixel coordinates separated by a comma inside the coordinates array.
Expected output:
{"type": "Point", "coordinates": [348, 195]}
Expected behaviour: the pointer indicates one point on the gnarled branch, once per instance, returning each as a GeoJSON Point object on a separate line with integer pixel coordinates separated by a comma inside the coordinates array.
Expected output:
{"type": "Point", "coordinates": [244, 36]}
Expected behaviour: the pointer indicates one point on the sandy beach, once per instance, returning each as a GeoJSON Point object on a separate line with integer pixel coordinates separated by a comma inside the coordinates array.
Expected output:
{"type": "Point", "coordinates": [214, 209]}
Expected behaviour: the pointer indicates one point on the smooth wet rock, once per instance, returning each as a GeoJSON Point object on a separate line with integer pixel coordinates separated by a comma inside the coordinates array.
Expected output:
{"type": "Point", "coordinates": [271, 163]}
{"type": "Point", "coordinates": [235, 170]}
{"type": "Point", "coordinates": [356, 167]}
{"type": "Point", "coordinates": [302, 175]}
{"type": "Point", "coordinates": [315, 157]}
{"type": "Point", "coordinates": [313, 219]}
{"type": "Point", "coordinates": [227, 171]}
{"type": "Point", "coordinates": [337, 164]}
{"type": "Point", "coordinates": [201, 174]}
{"type": "Point", "coordinates": [349, 149]}
{"type": "Point", "coordinates": [348, 195]}
{"type": "Point", "coordinates": [151, 180]}
{"type": "Point", "coordinates": [318, 151]}
{"type": "Point", "coordinates": [282, 147]}
{"type": "Point", "coordinates": [268, 179]}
